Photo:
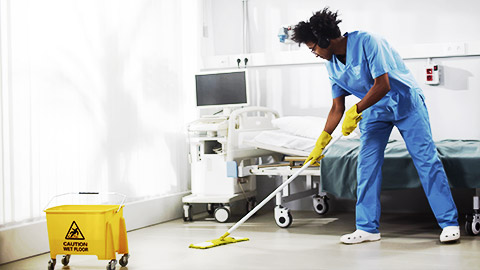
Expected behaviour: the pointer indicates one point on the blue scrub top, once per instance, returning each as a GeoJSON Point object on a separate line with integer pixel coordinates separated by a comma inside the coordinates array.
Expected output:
{"type": "Point", "coordinates": [367, 57]}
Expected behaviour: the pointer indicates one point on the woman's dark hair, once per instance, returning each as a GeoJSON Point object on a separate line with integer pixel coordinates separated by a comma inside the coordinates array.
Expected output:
{"type": "Point", "coordinates": [302, 33]}
{"type": "Point", "coordinates": [325, 23]}
{"type": "Point", "coordinates": [322, 24]}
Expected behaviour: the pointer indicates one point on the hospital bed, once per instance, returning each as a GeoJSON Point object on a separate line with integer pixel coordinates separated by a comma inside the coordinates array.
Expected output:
{"type": "Point", "coordinates": [337, 173]}
{"type": "Point", "coordinates": [253, 129]}
{"type": "Point", "coordinates": [224, 166]}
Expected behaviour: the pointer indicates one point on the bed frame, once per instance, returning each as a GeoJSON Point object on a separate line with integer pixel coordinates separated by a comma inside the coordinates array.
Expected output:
{"type": "Point", "coordinates": [244, 125]}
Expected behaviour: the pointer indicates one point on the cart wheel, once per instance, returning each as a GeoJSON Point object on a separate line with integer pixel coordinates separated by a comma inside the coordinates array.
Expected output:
{"type": "Point", "coordinates": [320, 204]}
{"type": "Point", "coordinates": [51, 264]}
{"type": "Point", "coordinates": [187, 212]}
{"type": "Point", "coordinates": [222, 214]}
{"type": "Point", "coordinates": [124, 260]}
{"type": "Point", "coordinates": [472, 224]}
{"type": "Point", "coordinates": [65, 260]}
{"type": "Point", "coordinates": [283, 217]}
{"type": "Point", "coordinates": [112, 265]}
{"type": "Point", "coordinates": [211, 208]}
{"type": "Point", "coordinates": [251, 203]}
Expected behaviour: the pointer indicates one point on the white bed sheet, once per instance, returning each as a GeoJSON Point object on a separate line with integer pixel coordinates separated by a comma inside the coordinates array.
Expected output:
{"type": "Point", "coordinates": [282, 142]}
{"type": "Point", "coordinates": [286, 143]}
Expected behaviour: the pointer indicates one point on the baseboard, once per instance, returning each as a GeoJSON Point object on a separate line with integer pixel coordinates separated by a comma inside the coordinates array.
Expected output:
{"type": "Point", "coordinates": [148, 212]}
{"type": "Point", "coordinates": [31, 239]}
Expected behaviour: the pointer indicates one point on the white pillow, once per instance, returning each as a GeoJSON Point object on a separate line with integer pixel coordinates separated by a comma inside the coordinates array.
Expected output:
{"type": "Point", "coordinates": [306, 126]}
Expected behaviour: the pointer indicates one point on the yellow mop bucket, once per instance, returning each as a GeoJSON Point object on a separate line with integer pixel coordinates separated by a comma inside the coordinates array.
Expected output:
{"type": "Point", "coordinates": [87, 230]}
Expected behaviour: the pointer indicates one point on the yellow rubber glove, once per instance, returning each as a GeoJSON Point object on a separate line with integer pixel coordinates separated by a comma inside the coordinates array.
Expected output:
{"type": "Point", "coordinates": [316, 154]}
{"type": "Point", "coordinates": [351, 120]}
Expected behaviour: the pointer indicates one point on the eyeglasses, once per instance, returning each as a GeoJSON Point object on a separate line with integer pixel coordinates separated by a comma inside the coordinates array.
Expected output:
{"type": "Point", "coordinates": [313, 49]}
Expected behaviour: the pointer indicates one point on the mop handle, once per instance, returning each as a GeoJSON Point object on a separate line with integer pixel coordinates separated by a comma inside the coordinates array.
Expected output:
{"type": "Point", "coordinates": [260, 205]}
{"type": "Point", "coordinates": [289, 180]}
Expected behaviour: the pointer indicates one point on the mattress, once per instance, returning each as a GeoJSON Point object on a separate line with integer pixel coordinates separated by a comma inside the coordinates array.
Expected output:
{"type": "Point", "coordinates": [282, 142]}
{"type": "Point", "coordinates": [461, 159]}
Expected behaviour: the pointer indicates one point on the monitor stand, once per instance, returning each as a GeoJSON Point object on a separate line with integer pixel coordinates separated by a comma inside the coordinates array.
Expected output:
{"type": "Point", "coordinates": [224, 113]}
{"type": "Point", "coordinates": [227, 111]}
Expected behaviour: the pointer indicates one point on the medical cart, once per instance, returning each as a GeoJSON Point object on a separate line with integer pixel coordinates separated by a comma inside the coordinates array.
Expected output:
{"type": "Point", "coordinates": [211, 185]}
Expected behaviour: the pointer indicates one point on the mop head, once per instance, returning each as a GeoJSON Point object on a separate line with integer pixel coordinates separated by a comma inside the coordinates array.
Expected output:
{"type": "Point", "coordinates": [218, 242]}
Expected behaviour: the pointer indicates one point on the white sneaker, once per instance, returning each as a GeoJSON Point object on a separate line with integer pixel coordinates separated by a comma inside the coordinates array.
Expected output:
{"type": "Point", "coordinates": [359, 236]}
{"type": "Point", "coordinates": [450, 233]}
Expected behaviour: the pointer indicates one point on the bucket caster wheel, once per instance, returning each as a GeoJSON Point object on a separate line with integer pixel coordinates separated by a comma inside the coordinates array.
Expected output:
{"type": "Point", "coordinates": [51, 264]}
{"type": "Point", "coordinates": [66, 260]}
{"type": "Point", "coordinates": [187, 212]}
{"type": "Point", "coordinates": [472, 224]}
{"type": "Point", "coordinates": [124, 260]}
{"type": "Point", "coordinates": [283, 217]}
{"type": "Point", "coordinates": [222, 214]}
{"type": "Point", "coordinates": [320, 204]}
{"type": "Point", "coordinates": [112, 265]}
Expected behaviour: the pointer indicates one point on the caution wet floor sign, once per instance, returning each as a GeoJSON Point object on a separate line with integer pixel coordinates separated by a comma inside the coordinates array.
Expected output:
{"type": "Point", "coordinates": [74, 233]}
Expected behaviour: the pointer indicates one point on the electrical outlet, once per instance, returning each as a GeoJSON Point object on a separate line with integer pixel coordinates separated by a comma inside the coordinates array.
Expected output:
{"type": "Point", "coordinates": [455, 48]}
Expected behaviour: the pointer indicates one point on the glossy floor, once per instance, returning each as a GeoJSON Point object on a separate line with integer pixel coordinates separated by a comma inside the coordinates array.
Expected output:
{"type": "Point", "coordinates": [312, 242]}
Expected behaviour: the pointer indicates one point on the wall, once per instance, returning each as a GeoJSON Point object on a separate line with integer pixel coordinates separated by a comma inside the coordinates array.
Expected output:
{"type": "Point", "coordinates": [295, 88]}
{"type": "Point", "coordinates": [401, 22]}
{"type": "Point", "coordinates": [304, 89]}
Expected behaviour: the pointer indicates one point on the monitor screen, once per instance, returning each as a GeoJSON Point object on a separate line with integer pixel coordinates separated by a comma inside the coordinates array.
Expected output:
{"type": "Point", "coordinates": [222, 89]}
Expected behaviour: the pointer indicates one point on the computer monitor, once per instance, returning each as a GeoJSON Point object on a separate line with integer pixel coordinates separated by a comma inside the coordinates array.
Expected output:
{"type": "Point", "coordinates": [222, 89]}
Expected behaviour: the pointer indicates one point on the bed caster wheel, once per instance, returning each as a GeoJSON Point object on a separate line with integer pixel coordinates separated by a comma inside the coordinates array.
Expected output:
{"type": "Point", "coordinates": [283, 218]}
{"type": "Point", "coordinates": [124, 260]}
{"type": "Point", "coordinates": [251, 203]}
{"type": "Point", "coordinates": [66, 260]}
{"type": "Point", "coordinates": [222, 214]}
{"type": "Point", "coordinates": [211, 208]}
{"type": "Point", "coordinates": [472, 224]}
{"type": "Point", "coordinates": [320, 204]}
{"type": "Point", "coordinates": [112, 265]}
{"type": "Point", "coordinates": [51, 264]}
{"type": "Point", "coordinates": [187, 212]}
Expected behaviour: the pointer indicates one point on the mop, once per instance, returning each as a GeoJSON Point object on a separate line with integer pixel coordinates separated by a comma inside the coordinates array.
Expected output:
{"type": "Point", "coordinates": [226, 239]}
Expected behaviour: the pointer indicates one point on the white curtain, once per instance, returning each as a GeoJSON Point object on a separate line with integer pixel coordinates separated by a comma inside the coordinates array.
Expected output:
{"type": "Point", "coordinates": [95, 96]}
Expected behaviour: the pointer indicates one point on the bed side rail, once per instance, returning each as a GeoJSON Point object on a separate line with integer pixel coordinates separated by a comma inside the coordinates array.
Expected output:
{"type": "Point", "coordinates": [244, 124]}
{"type": "Point", "coordinates": [252, 118]}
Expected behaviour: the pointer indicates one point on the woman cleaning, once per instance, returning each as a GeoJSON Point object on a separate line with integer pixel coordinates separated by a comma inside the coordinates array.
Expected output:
{"type": "Point", "coordinates": [366, 66]}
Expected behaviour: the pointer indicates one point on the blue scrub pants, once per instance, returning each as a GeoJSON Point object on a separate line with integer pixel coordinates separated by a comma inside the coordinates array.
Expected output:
{"type": "Point", "coordinates": [375, 128]}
